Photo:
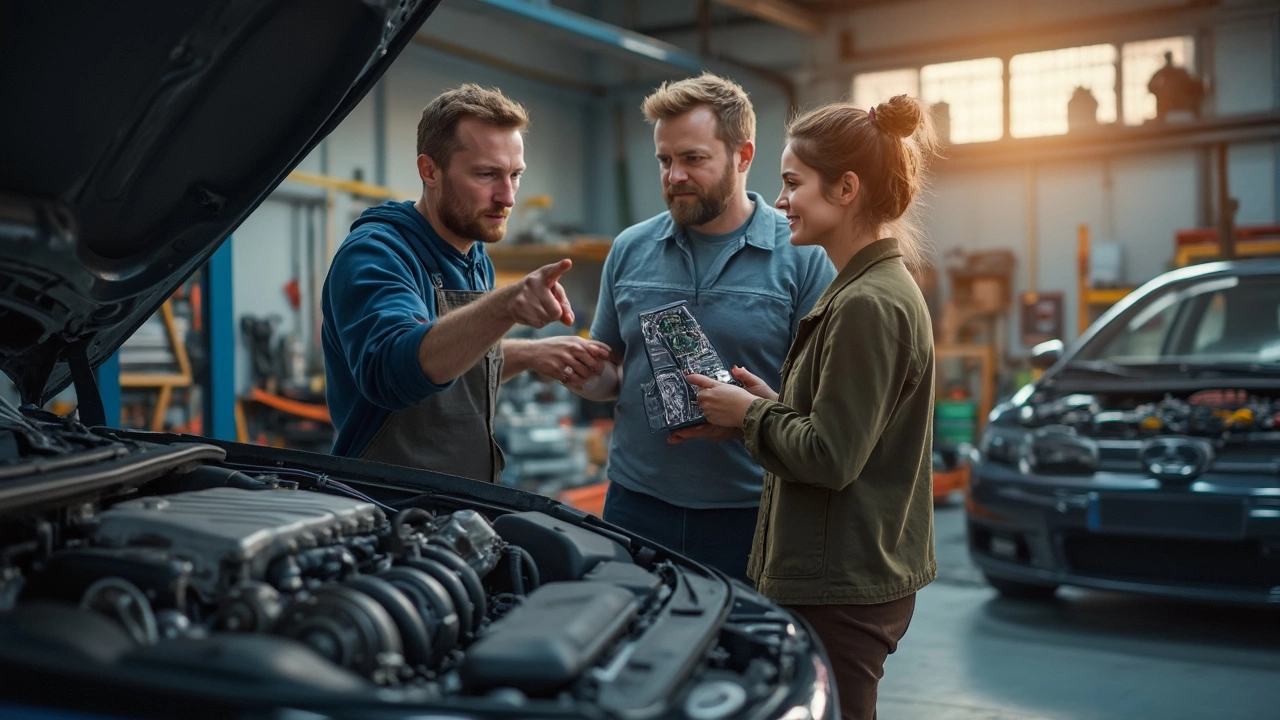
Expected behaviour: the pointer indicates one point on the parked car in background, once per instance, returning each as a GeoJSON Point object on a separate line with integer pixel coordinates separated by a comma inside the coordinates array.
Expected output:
{"type": "Point", "coordinates": [153, 575]}
{"type": "Point", "coordinates": [1147, 457]}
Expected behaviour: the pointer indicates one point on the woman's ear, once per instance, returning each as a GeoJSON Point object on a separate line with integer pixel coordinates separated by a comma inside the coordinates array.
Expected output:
{"type": "Point", "coordinates": [849, 187]}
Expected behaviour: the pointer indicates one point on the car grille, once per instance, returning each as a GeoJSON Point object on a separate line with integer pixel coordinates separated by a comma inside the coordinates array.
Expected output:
{"type": "Point", "coordinates": [1200, 562]}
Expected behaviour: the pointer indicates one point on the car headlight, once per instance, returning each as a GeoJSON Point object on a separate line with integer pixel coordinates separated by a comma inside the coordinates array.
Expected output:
{"type": "Point", "coordinates": [1058, 450]}
{"type": "Point", "coordinates": [1052, 450]}
{"type": "Point", "coordinates": [1001, 445]}
{"type": "Point", "coordinates": [819, 702]}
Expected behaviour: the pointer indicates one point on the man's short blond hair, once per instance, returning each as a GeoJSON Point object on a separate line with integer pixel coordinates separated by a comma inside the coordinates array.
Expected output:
{"type": "Point", "coordinates": [736, 119]}
{"type": "Point", "coordinates": [438, 128]}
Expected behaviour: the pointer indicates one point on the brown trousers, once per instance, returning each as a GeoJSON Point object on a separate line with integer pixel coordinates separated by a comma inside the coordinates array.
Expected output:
{"type": "Point", "coordinates": [858, 638]}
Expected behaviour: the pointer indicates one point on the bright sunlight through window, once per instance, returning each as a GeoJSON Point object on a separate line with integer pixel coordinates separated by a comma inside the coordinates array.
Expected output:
{"type": "Point", "coordinates": [974, 90]}
{"type": "Point", "coordinates": [1141, 61]}
{"type": "Point", "coordinates": [1041, 85]}
{"type": "Point", "coordinates": [871, 89]}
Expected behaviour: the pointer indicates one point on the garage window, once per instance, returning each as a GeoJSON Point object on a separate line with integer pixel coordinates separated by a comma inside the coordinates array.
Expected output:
{"type": "Point", "coordinates": [974, 93]}
{"type": "Point", "coordinates": [871, 89]}
{"type": "Point", "coordinates": [1041, 84]}
{"type": "Point", "coordinates": [1141, 60]}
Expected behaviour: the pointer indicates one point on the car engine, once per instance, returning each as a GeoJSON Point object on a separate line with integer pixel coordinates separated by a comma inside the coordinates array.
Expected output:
{"type": "Point", "coordinates": [180, 563]}
{"type": "Point", "coordinates": [1170, 436]}
{"type": "Point", "coordinates": [1206, 413]}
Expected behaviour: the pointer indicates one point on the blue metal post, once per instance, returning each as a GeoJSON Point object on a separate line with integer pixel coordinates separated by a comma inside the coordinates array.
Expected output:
{"type": "Point", "coordinates": [220, 327]}
{"type": "Point", "coordinates": [108, 375]}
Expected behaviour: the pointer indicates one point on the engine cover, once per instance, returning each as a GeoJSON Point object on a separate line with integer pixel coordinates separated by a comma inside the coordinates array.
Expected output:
{"type": "Point", "coordinates": [231, 535]}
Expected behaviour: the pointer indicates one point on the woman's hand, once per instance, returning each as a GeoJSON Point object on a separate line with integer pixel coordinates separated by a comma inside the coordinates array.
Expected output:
{"type": "Point", "coordinates": [722, 404]}
{"type": "Point", "coordinates": [715, 433]}
{"type": "Point", "coordinates": [753, 384]}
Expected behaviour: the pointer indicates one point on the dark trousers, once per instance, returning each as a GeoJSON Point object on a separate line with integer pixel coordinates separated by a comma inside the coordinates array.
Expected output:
{"type": "Point", "coordinates": [718, 538]}
{"type": "Point", "coordinates": [858, 638]}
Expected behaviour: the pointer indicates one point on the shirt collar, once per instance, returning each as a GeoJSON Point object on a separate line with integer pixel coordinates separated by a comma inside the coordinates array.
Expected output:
{"type": "Point", "coordinates": [882, 249]}
{"type": "Point", "coordinates": [760, 230]}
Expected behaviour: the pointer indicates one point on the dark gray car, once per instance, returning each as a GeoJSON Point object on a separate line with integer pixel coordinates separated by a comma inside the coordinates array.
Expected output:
{"type": "Point", "coordinates": [1147, 458]}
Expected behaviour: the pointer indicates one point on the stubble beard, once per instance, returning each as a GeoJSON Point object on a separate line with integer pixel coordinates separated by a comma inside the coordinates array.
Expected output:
{"type": "Point", "coordinates": [467, 223]}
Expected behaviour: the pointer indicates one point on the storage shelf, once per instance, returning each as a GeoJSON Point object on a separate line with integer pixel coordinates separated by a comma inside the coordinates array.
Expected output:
{"type": "Point", "coordinates": [529, 257]}
{"type": "Point", "coordinates": [1106, 296]}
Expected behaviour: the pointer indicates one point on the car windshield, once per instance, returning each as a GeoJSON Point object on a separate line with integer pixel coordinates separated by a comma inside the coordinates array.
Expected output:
{"type": "Point", "coordinates": [1224, 320]}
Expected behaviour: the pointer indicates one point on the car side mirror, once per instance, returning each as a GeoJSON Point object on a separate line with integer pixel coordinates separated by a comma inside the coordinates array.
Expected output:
{"type": "Point", "coordinates": [1045, 354]}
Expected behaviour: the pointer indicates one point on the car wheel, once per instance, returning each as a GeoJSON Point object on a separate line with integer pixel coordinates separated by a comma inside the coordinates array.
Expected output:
{"type": "Point", "coordinates": [1021, 590]}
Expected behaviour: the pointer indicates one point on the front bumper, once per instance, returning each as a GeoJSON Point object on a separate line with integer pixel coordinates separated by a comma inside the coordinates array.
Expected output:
{"type": "Point", "coordinates": [1217, 540]}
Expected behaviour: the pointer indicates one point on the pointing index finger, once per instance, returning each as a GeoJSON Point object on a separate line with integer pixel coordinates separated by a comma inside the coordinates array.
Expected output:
{"type": "Point", "coordinates": [551, 273]}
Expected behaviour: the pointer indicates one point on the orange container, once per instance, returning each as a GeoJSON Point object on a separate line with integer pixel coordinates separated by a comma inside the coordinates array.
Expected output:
{"type": "Point", "coordinates": [588, 498]}
{"type": "Point", "coordinates": [948, 481]}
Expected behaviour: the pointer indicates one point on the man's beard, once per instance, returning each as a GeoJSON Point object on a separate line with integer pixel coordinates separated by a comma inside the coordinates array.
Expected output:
{"type": "Point", "coordinates": [707, 206]}
{"type": "Point", "coordinates": [466, 223]}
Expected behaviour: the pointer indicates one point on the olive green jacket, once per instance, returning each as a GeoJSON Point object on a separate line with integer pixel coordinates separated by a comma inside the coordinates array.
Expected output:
{"type": "Point", "coordinates": [847, 511]}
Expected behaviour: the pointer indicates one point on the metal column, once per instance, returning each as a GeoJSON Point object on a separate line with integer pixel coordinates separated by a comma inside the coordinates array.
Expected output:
{"type": "Point", "coordinates": [220, 324]}
{"type": "Point", "coordinates": [108, 375]}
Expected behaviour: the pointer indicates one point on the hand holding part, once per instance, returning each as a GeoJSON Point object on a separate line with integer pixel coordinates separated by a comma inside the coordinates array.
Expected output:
{"type": "Point", "coordinates": [753, 384]}
{"type": "Point", "coordinates": [722, 404]}
{"type": "Point", "coordinates": [714, 433]}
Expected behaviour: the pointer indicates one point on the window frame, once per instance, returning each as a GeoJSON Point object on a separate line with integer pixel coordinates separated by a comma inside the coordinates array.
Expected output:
{"type": "Point", "coordinates": [1194, 60]}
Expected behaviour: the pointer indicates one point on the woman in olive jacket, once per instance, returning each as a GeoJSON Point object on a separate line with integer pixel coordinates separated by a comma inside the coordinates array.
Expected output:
{"type": "Point", "coordinates": [845, 534]}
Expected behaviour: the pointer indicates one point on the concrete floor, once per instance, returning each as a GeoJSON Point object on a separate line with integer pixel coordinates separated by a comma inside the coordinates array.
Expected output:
{"type": "Point", "coordinates": [1087, 655]}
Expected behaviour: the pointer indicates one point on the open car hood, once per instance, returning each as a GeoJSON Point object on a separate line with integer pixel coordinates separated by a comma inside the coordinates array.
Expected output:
{"type": "Point", "coordinates": [138, 135]}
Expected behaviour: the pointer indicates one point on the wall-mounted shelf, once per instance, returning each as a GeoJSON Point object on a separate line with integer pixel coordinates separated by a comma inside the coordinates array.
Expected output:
{"type": "Point", "coordinates": [1201, 244]}
{"type": "Point", "coordinates": [512, 262]}
{"type": "Point", "coordinates": [1114, 140]}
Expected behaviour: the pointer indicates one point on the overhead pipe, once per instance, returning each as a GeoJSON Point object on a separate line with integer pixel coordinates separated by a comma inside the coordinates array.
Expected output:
{"type": "Point", "coordinates": [597, 33]}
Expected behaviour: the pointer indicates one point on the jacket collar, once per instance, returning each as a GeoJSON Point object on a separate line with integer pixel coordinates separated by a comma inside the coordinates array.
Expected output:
{"type": "Point", "coordinates": [878, 251]}
{"type": "Point", "coordinates": [761, 231]}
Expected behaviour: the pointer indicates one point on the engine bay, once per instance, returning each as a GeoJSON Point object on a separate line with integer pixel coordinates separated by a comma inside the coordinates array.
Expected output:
{"type": "Point", "coordinates": [305, 583]}
{"type": "Point", "coordinates": [1213, 413]}
{"type": "Point", "coordinates": [1173, 437]}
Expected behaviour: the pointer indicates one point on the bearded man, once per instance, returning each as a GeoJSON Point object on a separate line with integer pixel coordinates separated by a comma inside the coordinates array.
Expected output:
{"type": "Point", "coordinates": [413, 327]}
{"type": "Point", "coordinates": [728, 253]}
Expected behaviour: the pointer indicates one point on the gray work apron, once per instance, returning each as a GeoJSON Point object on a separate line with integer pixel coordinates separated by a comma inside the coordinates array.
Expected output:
{"type": "Point", "coordinates": [451, 431]}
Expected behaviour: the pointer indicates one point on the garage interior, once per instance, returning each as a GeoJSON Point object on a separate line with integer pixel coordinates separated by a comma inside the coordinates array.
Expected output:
{"type": "Point", "coordinates": [1065, 186]}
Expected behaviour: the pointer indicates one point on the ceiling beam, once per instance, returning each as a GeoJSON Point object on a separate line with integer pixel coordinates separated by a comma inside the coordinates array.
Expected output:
{"type": "Point", "coordinates": [585, 30]}
{"type": "Point", "coordinates": [779, 12]}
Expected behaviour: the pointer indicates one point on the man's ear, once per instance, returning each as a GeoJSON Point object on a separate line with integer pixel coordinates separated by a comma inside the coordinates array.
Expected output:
{"type": "Point", "coordinates": [850, 186]}
{"type": "Point", "coordinates": [746, 151]}
{"type": "Point", "coordinates": [429, 171]}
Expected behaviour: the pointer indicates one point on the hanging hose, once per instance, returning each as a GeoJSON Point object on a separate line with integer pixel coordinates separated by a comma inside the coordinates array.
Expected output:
{"type": "Point", "coordinates": [517, 577]}
{"type": "Point", "coordinates": [523, 565]}
{"type": "Point", "coordinates": [408, 516]}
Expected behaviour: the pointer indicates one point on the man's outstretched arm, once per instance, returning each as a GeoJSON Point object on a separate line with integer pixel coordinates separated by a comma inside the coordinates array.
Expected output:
{"type": "Point", "coordinates": [461, 338]}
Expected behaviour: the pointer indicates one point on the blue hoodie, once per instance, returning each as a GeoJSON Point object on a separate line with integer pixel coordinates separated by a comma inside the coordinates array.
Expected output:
{"type": "Point", "coordinates": [378, 303]}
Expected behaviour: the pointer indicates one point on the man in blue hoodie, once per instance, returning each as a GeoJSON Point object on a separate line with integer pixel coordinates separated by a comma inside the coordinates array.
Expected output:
{"type": "Point", "coordinates": [413, 328]}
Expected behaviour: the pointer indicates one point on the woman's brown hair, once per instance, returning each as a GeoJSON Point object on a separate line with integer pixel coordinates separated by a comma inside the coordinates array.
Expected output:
{"type": "Point", "coordinates": [888, 148]}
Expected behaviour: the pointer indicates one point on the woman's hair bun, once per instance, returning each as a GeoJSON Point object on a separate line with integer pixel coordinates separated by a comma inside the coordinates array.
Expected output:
{"type": "Point", "coordinates": [900, 116]}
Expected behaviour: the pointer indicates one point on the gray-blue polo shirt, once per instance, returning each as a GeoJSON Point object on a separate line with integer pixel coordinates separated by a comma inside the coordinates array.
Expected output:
{"type": "Point", "coordinates": [749, 303]}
